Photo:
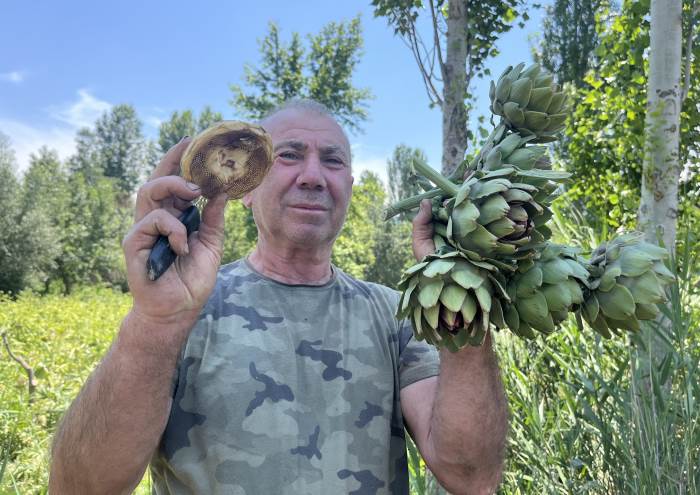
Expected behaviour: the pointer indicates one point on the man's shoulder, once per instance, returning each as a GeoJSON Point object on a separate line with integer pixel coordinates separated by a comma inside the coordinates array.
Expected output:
{"type": "Point", "coordinates": [371, 290]}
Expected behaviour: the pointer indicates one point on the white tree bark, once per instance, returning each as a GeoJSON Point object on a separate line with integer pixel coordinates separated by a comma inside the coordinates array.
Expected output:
{"type": "Point", "coordinates": [658, 208]}
{"type": "Point", "coordinates": [454, 112]}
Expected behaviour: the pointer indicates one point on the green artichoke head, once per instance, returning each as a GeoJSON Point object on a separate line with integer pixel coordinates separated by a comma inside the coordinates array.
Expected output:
{"type": "Point", "coordinates": [451, 299]}
{"type": "Point", "coordinates": [529, 102]}
{"type": "Point", "coordinates": [543, 291]}
{"type": "Point", "coordinates": [628, 281]}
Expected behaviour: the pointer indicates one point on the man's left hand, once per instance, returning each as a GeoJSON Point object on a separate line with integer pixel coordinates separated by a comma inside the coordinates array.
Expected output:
{"type": "Point", "coordinates": [423, 231]}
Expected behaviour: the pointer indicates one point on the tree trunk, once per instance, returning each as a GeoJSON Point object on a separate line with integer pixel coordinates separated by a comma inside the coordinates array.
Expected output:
{"type": "Point", "coordinates": [658, 208]}
{"type": "Point", "coordinates": [454, 111]}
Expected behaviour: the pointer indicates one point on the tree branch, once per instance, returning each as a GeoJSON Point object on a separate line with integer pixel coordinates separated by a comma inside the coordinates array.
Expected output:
{"type": "Point", "coordinates": [415, 49]}
{"type": "Point", "coordinates": [23, 364]}
{"type": "Point", "coordinates": [436, 37]}
{"type": "Point", "coordinates": [689, 50]}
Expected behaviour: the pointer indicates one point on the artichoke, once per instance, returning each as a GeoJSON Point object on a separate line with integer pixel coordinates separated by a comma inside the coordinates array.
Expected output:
{"type": "Point", "coordinates": [451, 299]}
{"type": "Point", "coordinates": [529, 102]}
{"type": "Point", "coordinates": [544, 290]}
{"type": "Point", "coordinates": [628, 280]}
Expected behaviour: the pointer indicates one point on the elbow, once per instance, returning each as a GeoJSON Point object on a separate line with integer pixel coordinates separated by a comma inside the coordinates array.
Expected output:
{"type": "Point", "coordinates": [471, 481]}
{"type": "Point", "coordinates": [462, 478]}
{"type": "Point", "coordinates": [75, 478]}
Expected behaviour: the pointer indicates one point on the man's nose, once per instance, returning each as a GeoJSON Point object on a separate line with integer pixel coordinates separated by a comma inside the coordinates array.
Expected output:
{"type": "Point", "coordinates": [311, 173]}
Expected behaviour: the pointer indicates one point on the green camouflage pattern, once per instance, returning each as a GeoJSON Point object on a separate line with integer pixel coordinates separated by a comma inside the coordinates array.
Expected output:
{"type": "Point", "coordinates": [291, 389]}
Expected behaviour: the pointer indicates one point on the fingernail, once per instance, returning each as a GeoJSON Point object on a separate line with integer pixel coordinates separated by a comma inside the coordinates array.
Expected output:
{"type": "Point", "coordinates": [183, 138]}
{"type": "Point", "coordinates": [187, 249]}
{"type": "Point", "coordinates": [192, 186]}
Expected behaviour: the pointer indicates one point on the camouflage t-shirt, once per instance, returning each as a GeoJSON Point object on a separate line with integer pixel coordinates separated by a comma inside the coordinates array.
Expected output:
{"type": "Point", "coordinates": [291, 389]}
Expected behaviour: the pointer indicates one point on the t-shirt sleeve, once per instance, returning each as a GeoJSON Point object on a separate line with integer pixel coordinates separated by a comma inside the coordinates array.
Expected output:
{"type": "Point", "coordinates": [417, 359]}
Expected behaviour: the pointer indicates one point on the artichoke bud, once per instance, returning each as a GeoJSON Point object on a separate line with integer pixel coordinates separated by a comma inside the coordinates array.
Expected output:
{"type": "Point", "coordinates": [530, 103]}
{"type": "Point", "coordinates": [449, 299]}
{"type": "Point", "coordinates": [628, 278]}
{"type": "Point", "coordinates": [543, 291]}
{"type": "Point", "coordinates": [495, 216]}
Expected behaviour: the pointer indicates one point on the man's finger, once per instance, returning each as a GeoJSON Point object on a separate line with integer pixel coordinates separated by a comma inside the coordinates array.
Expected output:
{"type": "Point", "coordinates": [170, 163]}
{"type": "Point", "coordinates": [143, 234]}
{"type": "Point", "coordinates": [211, 230]}
{"type": "Point", "coordinates": [154, 193]}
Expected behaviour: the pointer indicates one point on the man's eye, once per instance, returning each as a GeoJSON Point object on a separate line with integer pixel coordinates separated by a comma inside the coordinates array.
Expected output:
{"type": "Point", "coordinates": [335, 161]}
{"type": "Point", "coordinates": [288, 155]}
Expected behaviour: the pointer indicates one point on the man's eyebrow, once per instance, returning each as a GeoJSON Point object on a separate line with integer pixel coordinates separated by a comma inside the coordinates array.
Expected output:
{"type": "Point", "coordinates": [334, 148]}
{"type": "Point", "coordinates": [291, 143]}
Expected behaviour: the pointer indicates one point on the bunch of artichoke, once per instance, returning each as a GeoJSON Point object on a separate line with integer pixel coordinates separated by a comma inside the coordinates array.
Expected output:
{"type": "Point", "coordinates": [543, 291]}
{"type": "Point", "coordinates": [628, 280]}
{"type": "Point", "coordinates": [449, 298]}
{"type": "Point", "coordinates": [529, 102]}
{"type": "Point", "coordinates": [493, 264]}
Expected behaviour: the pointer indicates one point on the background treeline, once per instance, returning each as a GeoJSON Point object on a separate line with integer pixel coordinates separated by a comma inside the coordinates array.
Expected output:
{"type": "Point", "coordinates": [588, 416]}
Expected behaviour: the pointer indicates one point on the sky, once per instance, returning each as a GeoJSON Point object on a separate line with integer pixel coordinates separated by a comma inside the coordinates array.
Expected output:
{"type": "Point", "coordinates": [63, 64]}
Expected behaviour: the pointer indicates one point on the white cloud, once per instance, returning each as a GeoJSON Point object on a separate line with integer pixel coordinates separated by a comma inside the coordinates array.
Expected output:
{"type": "Point", "coordinates": [60, 136]}
{"type": "Point", "coordinates": [16, 76]}
{"type": "Point", "coordinates": [26, 139]}
{"type": "Point", "coordinates": [82, 113]}
{"type": "Point", "coordinates": [373, 164]}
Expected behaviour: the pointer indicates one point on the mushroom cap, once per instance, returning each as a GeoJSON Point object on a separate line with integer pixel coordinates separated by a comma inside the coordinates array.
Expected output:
{"type": "Point", "coordinates": [230, 156]}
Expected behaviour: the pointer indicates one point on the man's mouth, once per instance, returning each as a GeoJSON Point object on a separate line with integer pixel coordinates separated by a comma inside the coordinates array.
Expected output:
{"type": "Point", "coordinates": [311, 207]}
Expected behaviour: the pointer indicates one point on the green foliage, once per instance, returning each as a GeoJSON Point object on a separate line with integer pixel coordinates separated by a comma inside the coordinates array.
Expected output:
{"type": "Point", "coordinates": [324, 73]}
{"type": "Point", "coordinates": [570, 38]}
{"type": "Point", "coordinates": [185, 124]}
{"type": "Point", "coordinates": [583, 419]}
{"type": "Point", "coordinates": [28, 245]}
{"type": "Point", "coordinates": [353, 251]}
{"type": "Point", "coordinates": [401, 171]}
{"type": "Point", "coordinates": [240, 232]}
{"type": "Point", "coordinates": [115, 148]}
{"type": "Point", "coordinates": [604, 143]}
{"type": "Point", "coordinates": [62, 339]}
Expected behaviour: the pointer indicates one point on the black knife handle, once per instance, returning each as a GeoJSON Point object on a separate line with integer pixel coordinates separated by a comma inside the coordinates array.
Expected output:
{"type": "Point", "coordinates": [162, 255]}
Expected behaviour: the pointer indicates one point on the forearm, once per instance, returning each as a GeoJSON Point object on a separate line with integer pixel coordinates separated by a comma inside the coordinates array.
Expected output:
{"type": "Point", "coordinates": [107, 436]}
{"type": "Point", "coordinates": [469, 421]}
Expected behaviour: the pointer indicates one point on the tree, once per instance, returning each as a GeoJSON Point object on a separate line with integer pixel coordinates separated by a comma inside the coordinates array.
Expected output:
{"type": "Point", "coordinates": [466, 32]}
{"type": "Point", "coordinates": [325, 74]}
{"type": "Point", "coordinates": [353, 251]}
{"type": "Point", "coordinates": [185, 124]}
{"type": "Point", "coordinates": [605, 134]}
{"type": "Point", "coordinates": [401, 172]}
{"type": "Point", "coordinates": [570, 37]}
{"type": "Point", "coordinates": [116, 148]}
{"type": "Point", "coordinates": [658, 208]}
{"type": "Point", "coordinates": [26, 247]}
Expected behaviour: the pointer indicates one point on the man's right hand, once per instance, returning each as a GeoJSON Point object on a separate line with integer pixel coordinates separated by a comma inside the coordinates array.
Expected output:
{"type": "Point", "coordinates": [180, 293]}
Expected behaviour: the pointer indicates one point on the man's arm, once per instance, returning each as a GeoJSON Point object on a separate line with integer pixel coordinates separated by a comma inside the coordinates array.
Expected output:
{"type": "Point", "coordinates": [459, 420]}
{"type": "Point", "coordinates": [109, 433]}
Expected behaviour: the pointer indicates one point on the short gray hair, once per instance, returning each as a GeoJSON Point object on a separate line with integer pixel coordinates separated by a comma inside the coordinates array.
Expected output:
{"type": "Point", "coordinates": [300, 104]}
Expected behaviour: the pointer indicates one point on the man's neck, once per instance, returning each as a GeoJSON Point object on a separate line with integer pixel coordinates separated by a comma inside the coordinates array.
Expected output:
{"type": "Point", "coordinates": [292, 266]}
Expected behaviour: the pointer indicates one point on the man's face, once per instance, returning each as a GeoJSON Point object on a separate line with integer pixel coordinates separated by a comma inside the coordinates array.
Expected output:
{"type": "Point", "coordinates": [304, 197]}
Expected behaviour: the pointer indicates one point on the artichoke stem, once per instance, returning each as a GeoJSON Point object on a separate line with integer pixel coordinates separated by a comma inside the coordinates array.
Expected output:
{"type": "Point", "coordinates": [450, 188]}
{"type": "Point", "coordinates": [411, 203]}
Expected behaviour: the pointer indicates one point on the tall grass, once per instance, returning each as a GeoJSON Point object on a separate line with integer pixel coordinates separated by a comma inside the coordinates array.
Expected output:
{"type": "Point", "coordinates": [596, 416]}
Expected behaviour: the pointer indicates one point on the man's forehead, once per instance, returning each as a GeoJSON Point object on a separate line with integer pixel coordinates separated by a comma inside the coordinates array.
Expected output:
{"type": "Point", "coordinates": [302, 125]}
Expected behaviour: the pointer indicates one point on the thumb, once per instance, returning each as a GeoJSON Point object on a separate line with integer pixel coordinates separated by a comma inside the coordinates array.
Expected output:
{"type": "Point", "coordinates": [212, 228]}
{"type": "Point", "coordinates": [423, 231]}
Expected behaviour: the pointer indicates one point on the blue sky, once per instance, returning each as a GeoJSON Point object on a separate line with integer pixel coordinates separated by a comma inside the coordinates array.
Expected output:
{"type": "Point", "coordinates": [64, 63]}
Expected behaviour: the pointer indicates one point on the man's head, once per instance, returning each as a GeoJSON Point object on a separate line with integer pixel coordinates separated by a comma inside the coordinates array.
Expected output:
{"type": "Point", "coordinates": [303, 200]}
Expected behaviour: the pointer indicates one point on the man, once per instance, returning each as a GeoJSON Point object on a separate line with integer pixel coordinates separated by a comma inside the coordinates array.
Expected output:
{"type": "Point", "coordinates": [290, 376]}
